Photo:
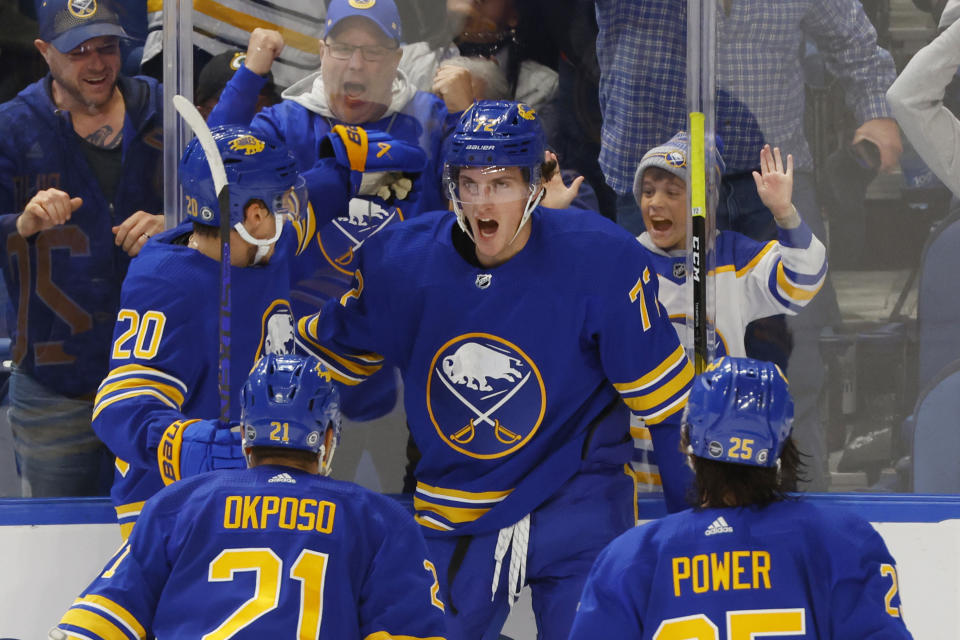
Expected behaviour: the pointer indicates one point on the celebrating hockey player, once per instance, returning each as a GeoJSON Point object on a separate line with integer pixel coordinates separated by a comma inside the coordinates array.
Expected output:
{"type": "Point", "coordinates": [752, 279]}
{"type": "Point", "coordinates": [158, 405]}
{"type": "Point", "coordinates": [523, 335]}
{"type": "Point", "coordinates": [275, 551]}
{"type": "Point", "coordinates": [748, 556]}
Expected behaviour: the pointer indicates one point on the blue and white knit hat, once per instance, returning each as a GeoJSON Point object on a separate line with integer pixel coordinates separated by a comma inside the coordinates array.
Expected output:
{"type": "Point", "coordinates": [670, 156]}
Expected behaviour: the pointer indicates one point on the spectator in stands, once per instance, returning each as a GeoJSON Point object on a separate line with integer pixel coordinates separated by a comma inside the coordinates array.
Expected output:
{"type": "Point", "coordinates": [916, 99]}
{"type": "Point", "coordinates": [214, 77]}
{"type": "Point", "coordinates": [671, 578]}
{"type": "Point", "coordinates": [641, 48]}
{"type": "Point", "coordinates": [752, 279]}
{"type": "Point", "coordinates": [79, 173]}
{"type": "Point", "coordinates": [357, 84]}
{"type": "Point", "coordinates": [482, 31]}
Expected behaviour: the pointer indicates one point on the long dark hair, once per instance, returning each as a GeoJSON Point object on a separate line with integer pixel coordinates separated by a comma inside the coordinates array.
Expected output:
{"type": "Point", "coordinates": [726, 484]}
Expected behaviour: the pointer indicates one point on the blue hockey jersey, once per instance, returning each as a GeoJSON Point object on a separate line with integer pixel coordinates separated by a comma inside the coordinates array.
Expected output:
{"type": "Point", "coordinates": [269, 552]}
{"type": "Point", "coordinates": [513, 376]}
{"type": "Point", "coordinates": [164, 360]}
{"type": "Point", "coordinates": [789, 570]}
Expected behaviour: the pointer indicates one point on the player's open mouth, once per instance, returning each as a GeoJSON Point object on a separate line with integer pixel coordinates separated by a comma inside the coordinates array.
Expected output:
{"type": "Point", "coordinates": [96, 82]}
{"type": "Point", "coordinates": [487, 228]}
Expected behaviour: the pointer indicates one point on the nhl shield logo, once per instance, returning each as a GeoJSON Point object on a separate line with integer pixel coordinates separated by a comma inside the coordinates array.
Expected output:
{"type": "Point", "coordinates": [679, 270]}
{"type": "Point", "coordinates": [483, 280]}
{"type": "Point", "coordinates": [485, 396]}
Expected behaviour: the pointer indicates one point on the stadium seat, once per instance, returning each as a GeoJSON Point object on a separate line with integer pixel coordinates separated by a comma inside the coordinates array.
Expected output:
{"type": "Point", "coordinates": [938, 313]}
{"type": "Point", "coordinates": [936, 438]}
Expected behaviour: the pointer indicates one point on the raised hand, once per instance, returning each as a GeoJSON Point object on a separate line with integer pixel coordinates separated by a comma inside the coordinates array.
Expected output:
{"type": "Point", "coordinates": [264, 47]}
{"type": "Point", "coordinates": [775, 182]}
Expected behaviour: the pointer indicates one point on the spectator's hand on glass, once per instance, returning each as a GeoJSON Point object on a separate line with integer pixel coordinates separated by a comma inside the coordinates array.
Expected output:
{"type": "Point", "coordinates": [885, 134]}
{"type": "Point", "coordinates": [264, 47]}
{"type": "Point", "coordinates": [558, 195]}
{"type": "Point", "coordinates": [454, 85]}
{"type": "Point", "coordinates": [48, 208]}
{"type": "Point", "coordinates": [133, 233]}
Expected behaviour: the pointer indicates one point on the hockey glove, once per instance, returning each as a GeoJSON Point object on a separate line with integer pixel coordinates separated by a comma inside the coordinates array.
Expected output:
{"type": "Point", "coordinates": [189, 447]}
{"type": "Point", "coordinates": [379, 164]}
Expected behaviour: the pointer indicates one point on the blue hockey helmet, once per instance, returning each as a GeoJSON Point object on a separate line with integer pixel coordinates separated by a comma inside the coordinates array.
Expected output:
{"type": "Point", "coordinates": [739, 411]}
{"type": "Point", "coordinates": [289, 401]}
{"type": "Point", "coordinates": [256, 170]}
{"type": "Point", "coordinates": [494, 134]}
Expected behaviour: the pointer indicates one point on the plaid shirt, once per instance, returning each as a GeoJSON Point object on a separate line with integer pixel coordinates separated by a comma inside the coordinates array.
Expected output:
{"type": "Point", "coordinates": [641, 48]}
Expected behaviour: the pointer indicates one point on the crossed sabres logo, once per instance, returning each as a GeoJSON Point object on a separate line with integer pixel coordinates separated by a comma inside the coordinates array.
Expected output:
{"type": "Point", "coordinates": [485, 396]}
{"type": "Point", "coordinates": [340, 239]}
{"type": "Point", "coordinates": [82, 8]}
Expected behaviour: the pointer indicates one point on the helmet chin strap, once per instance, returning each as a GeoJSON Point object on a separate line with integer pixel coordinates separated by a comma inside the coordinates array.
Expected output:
{"type": "Point", "coordinates": [532, 201]}
{"type": "Point", "coordinates": [326, 461]}
{"type": "Point", "coordinates": [263, 245]}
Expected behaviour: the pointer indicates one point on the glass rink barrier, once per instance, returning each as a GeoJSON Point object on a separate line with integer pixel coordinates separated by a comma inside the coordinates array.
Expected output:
{"type": "Point", "coordinates": [814, 223]}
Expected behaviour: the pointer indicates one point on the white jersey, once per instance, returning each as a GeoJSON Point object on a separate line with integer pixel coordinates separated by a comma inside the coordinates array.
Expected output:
{"type": "Point", "coordinates": [751, 280]}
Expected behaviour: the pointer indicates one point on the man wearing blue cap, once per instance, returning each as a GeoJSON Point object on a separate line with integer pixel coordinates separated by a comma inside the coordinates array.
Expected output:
{"type": "Point", "coordinates": [80, 168]}
{"type": "Point", "coordinates": [358, 84]}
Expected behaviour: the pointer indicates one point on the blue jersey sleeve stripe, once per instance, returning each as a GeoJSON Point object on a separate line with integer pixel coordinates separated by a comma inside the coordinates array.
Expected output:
{"type": "Point", "coordinates": [798, 238]}
{"type": "Point", "coordinates": [73, 634]}
{"type": "Point", "coordinates": [103, 403]}
{"type": "Point", "coordinates": [806, 279]}
{"type": "Point", "coordinates": [383, 635]}
{"type": "Point", "coordinates": [448, 514]}
{"type": "Point", "coordinates": [670, 409]}
{"type": "Point", "coordinates": [430, 523]}
{"type": "Point", "coordinates": [654, 377]}
{"type": "Point", "coordinates": [127, 619]}
{"type": "Point", "coordinates": [95, 622]}
{"type": "Point", "coordinates": [669, 389]}
{"type": "Point", "coordinates": [791, 290]}
{"type": "Point", "coordinates": [132, 384]}
{"type": "Point", "coordinates": [134, 370]}
{"type": "Point", "coordinates": [775, 291]}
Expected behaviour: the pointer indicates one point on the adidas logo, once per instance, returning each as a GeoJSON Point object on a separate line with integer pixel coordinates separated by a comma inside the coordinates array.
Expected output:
{"type": "Point", "coordinates": [718, 526]}
{"type": "Point", "coordinates": [283, 477]}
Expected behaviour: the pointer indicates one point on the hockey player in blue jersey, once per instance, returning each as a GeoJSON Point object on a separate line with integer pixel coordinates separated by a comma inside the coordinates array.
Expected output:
{"type": "Point", "coordinates": [749, 560]}
{"type": "Point", "coordinates": [157, 407]}
{"type": "Point", "coordinates": [274, 551]}
{"type": "Point", "coordinates": [752, 279]}
{"type": "Point", "coordinates": [524, 336]}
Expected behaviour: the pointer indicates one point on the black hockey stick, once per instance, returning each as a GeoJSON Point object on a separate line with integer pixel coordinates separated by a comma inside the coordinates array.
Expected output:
{"type": "Point", "coordinates": [196, 122]}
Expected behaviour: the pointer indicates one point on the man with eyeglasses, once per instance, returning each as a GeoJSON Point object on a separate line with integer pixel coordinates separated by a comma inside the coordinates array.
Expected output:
{"type": "Point", "coordinates": [358, 84]}
{"type": "Point", "coordinates": [80, 175]}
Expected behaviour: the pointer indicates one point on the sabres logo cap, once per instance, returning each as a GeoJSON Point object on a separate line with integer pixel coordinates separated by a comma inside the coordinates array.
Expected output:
{"type": "Point", "coordinates": [383, 13]}
{"type": "Point", "coordinates": [66, 24]}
